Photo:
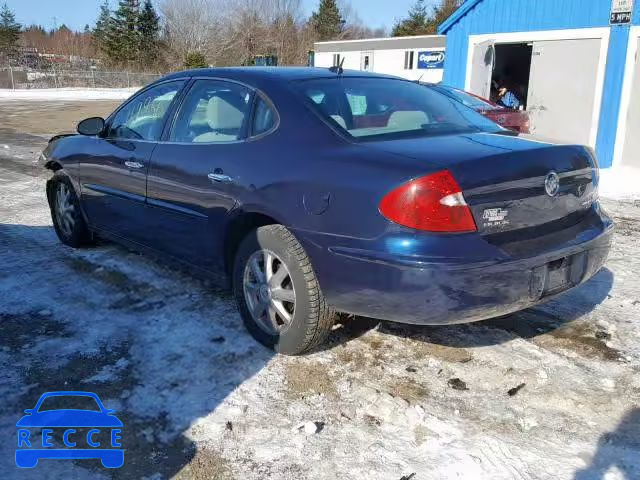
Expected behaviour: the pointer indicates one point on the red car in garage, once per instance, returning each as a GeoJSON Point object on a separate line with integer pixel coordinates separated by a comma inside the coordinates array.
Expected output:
{"type": "Point", "coordinates": [513, 119]}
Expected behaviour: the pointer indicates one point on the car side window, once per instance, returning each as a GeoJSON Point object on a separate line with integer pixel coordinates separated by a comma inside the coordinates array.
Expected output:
{"type": "Point", "coordinates": [214, 111]}
{"type": "Point", "coordinates": [143, 117]}
{"type": "Point", "coordinates": [264, 117]}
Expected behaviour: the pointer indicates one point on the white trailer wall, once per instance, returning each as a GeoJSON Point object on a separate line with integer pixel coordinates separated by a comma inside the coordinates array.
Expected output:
{"type": "Point", "coordinates": [386, 56]}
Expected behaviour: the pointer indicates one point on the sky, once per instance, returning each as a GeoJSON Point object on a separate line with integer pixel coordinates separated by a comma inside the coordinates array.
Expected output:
{"type": "Point", "coordinates": [77, 13]}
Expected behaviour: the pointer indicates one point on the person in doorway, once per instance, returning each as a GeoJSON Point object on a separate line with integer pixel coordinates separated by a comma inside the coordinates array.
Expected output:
{"type": "Point", "coordinates": [507, 98]}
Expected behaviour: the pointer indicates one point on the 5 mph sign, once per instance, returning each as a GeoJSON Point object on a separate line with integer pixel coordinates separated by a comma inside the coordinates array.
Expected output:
{"type": "Point", "coordinates": [621, 11]}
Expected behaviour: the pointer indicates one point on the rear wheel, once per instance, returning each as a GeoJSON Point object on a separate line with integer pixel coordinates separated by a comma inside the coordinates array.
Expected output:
{"type": "Point", "coordinates": [68, 221]}
{"type": "Point", "coordinates": [278, 294]}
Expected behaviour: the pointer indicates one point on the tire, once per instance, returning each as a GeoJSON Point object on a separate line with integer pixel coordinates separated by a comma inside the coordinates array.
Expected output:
{"type": "Point", "coordinates": [310, 317]}
{"type": "Point", "coordinates": [68, 221]}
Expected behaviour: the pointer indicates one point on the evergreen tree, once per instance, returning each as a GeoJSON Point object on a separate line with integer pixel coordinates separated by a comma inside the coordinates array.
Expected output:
{"type": "Point", "coordinates": [123, 39]}
{"type": "Point", "coordinates": [195, 60]}
{"type": "Point", "coordinates": [418, 22]}
{"type": "Point", "coordinates": [443, 11]}
{"type": "Point", "coordinates": [327, 22]}
{"type": "Point", "coordinates": [9, 33]}
{"type": "Point", "coordinates": [102, 29]}
{"type": "Point", "coordinates": [149, 28]}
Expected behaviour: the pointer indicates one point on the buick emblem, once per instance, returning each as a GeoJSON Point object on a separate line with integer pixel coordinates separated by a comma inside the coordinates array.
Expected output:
{"type": "Point", "coordinates": [552, 184]}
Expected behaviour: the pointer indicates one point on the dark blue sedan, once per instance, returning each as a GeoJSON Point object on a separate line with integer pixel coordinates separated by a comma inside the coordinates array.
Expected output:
{"type": "Point", "coordinates": [314, 191]}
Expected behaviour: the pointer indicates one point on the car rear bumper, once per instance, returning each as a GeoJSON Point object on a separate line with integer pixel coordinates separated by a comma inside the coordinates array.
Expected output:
{"type": "Point", "coordinates": [432, 291]}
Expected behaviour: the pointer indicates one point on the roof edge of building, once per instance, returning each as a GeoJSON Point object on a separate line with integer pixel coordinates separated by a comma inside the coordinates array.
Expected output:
{"type": "Point", "coordinates": [457, 15]}
{"type": "Point", "coordinates": [378, 39]}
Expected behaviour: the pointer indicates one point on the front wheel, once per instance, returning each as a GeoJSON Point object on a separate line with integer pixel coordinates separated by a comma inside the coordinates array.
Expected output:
{"type": "Point", "coordinates": [68, 221]}
{"type": "Point", "coordinates": [278, 294]}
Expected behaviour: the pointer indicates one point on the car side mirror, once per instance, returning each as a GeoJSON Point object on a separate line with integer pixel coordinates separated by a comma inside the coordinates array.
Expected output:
{"type": "Point", "coordinates": [29, 411]}
{"type": "Point", "coordinates": [91, 126]}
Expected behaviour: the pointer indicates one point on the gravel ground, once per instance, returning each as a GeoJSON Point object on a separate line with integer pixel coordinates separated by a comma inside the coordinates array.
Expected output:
{"type": "Point", "coordinates": [548, 393]}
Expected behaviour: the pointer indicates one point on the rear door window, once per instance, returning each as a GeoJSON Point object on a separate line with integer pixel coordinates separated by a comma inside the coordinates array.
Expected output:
{"type": "Point", "coordinates": [213, 111]}
{"type": "Point", "coordinates": [264, 117]}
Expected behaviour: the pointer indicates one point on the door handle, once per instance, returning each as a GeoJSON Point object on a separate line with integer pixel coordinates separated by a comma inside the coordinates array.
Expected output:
{"type": "Point", "coordinates": [220, 178]}
{"type": "Point", "coordinates": [132, 164]}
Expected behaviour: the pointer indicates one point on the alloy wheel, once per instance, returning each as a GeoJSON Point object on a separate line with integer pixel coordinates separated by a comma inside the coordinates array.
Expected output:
{"type": "Point", "coordinates": [269, 292]}
{"type": "Point", "coordinates": [64, 210]}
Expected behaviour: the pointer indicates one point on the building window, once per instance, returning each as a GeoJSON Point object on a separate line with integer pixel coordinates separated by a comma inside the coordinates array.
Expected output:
{"type": "Point", "coordinates": [336, 59]}
{"type": "Point", "coordinates": [366, 64]}
{"type": "Point", "coordinates": [408, 60]}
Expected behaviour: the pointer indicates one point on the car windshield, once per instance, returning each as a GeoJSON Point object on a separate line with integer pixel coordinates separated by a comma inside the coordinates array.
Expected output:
{"type": "Point", "coordinates": [69, 402]}
{"type": "Point", "coordinates": [467, 99]}
{"type": "Point", "coordinates": [385, 108]}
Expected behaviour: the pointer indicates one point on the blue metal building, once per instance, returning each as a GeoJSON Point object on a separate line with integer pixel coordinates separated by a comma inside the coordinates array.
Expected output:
{"type": "Point", "coordinates": [577, 69]}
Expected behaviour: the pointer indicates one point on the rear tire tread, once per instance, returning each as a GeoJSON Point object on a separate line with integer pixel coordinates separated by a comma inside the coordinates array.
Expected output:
{"type": "Point", "coordinates": [312, 320]}
{"type": "Point", "coordinates": [322, 316]}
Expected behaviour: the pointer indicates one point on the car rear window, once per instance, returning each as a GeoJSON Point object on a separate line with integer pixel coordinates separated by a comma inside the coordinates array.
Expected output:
{"type": "Point", "coordinates": [65, 402]}
{"type": "Point", "coordinates": [385, 108]}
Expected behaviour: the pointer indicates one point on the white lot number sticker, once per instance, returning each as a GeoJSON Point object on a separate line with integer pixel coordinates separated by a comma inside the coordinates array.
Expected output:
{"type": "Point", "coordinates": [495, 217]}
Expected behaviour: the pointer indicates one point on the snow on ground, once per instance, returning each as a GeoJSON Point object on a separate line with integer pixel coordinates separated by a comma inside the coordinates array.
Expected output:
{"type": "Point", "coordinates": [621, 183]}
{"type": "Point", "coordinates": [68, 94]}
{"type": "Point", "coordinates": [549, 393]}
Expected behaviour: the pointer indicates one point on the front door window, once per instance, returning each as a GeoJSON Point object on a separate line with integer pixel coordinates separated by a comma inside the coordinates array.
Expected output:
{"type": "Point", "coordinates": [143, 117]}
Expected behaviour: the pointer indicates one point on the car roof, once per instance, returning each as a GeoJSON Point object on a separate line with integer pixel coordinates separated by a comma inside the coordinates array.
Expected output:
{"type": "Point", "coordinates": [271, 73]}
{"type": "Point", "coordinates": [68, 394]}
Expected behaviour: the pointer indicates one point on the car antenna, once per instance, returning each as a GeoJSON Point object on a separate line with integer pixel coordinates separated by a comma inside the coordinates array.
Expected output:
{"type": "Point", "coordinates": [418, 80]}
{"type": "Point", "coordinates": [337, 69]}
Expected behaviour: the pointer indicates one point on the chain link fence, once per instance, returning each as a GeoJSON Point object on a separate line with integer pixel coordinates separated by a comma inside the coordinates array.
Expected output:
{"type": "Point", "coordinates": [22, 78]}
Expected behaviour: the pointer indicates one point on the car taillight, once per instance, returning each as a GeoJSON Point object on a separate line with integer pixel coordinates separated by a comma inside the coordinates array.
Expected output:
{"type": "Point", "coordinates": [433, 203]}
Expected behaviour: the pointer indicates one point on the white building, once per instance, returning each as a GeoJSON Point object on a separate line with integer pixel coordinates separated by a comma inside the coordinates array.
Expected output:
{"type": "Point", "coordinates": [414, 58]}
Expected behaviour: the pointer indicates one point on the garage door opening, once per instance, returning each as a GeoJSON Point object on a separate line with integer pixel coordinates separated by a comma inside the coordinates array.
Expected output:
{"type": "Point", "coordinates": [556, 81]}
{"type": "Point", "coordinates": [512, 68]}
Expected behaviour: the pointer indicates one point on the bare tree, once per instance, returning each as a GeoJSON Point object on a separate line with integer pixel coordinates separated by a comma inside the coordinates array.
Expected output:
{"type": "Point", "coordinates": [262, 27]}
{"type": "Point", "coordinates": [234, 32]}
{"type": "Point", "coordinates": [193, 26]}
{"type": "Point", "coordinates": [354, 28]}
{"type": "Point", "coordinates": [285, 31]}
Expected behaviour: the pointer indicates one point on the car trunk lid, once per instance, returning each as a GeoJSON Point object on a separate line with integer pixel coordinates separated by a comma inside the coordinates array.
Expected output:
{"type": "Point", "coordinates": [510, 183]}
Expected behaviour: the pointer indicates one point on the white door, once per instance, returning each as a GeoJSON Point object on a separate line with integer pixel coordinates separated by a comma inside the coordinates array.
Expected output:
{"type": "Point", "coordinates": [562, 89]}
{"type": "Point", "coordinates": [484, 57]}
{"type": "Point", "coordinates": [631, 151]}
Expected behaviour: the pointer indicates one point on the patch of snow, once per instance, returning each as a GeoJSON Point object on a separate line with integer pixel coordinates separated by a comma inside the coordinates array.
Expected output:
{"type": "Point", "coordinates": [309, 428]}
{"type": "Point", "coordinates": [56, 94]}
{"type": "Point", "coordinates": [108, 373]}
{"type": "Point", "coordinates": [620, 183]}
{"type": "Point", "coordinates": [171, 355]}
